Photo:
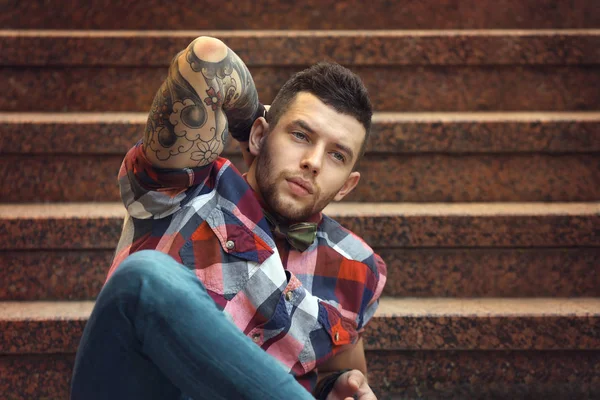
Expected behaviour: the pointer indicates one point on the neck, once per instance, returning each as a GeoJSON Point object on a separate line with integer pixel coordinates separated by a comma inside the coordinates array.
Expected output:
{"type": "Point", "coordinates": [250, 177]}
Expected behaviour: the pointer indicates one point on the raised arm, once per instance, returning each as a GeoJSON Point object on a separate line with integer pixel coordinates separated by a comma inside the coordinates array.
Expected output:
{"type": "Point", "coordinates": [208, 92]}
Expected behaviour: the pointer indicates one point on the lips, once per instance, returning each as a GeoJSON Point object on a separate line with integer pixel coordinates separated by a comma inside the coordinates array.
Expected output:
{"type": "Point", "coordinates": [306, 185]}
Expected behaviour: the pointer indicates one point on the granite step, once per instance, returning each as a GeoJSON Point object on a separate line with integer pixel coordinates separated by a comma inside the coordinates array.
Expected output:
{"type": "Point", "coordinates": [383, 225]}
{"type": "Point", "coordinates": [391, 133]}
{"type": "Point", "coordinates": [438, 346]}
{"type": "Point", "coordinates": [359, 48]}
{"type": "Point", "coordinates": [436, 324]}
{"type": "Point", "coordinates": [410, 88]}
{"type": "Point", "coordinates": [409, 71]}
{"type": "Point", "coordinates": [63, 251]}
{"type": "Point", "coordinates": [310, 14]}
{"type": "Point", "coordinates": [422, 178]}
{"type": "Point", "coordinates": [405, 375]}
{"type": "Point", "coordinates": [437, 157]}
{"type": "Point", "coordinates": [462, 272]}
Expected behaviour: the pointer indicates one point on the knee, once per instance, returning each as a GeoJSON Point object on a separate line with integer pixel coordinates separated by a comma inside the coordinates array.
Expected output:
{"type": "Point", "coordinates": [144, 266]}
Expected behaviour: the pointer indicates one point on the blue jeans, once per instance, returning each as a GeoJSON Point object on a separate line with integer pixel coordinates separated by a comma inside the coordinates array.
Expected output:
{"type": "Point", "coordinates": [156, 334]}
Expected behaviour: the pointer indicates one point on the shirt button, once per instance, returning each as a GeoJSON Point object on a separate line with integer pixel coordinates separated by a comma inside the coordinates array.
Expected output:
{"type": "Point", "coordinates": [289, 296]}
{"type": "Point", "coordinates": [230, 244]}
{"type": "Point", "coordinates": [256, 337]}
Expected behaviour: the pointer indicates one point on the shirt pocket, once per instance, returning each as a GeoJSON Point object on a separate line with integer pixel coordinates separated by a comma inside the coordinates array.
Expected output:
{"type": "Point", "coordinates": [224, 253]}
{"type": "Point", "coordinates": [341, 330]}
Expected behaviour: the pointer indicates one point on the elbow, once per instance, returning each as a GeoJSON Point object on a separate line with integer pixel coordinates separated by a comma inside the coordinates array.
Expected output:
{"type": "Point", "coordinates": [209, 49]}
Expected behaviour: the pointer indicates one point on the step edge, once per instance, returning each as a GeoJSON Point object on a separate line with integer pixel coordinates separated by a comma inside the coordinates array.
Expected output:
{"type": "Point", "coordinates": [538, 307]}
{"type": "Point", "coordinates": [380, 117]}
{"type": "Point", "coordinates": [19, 211]}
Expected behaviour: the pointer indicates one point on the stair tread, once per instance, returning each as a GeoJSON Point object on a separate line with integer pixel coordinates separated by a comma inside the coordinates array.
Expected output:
{"type": "Point", "coordinates": [297, 32]}
{"type": "Point", "coordinates": [383, 225]}
{"type": "Point", "coordinates": [391, 133]}
{"type": "Point", "coordinates": [488, 307]}
{"type": "Point", "coordinates": [389, 307]}
{"type": "Point", "coordinates": [311, 14]}
{"type": "Point", "coordinates": [69, 274]}
{"type": "Point", "coordinates": [378, 117]}
{"type": "Point", "coordinates": [349, 47]}
{"type": "Point", "coordinates": [116, 209]}
{"type": "Point", "coordinates": [131, 86]}
{"type": "Point", "coordinates": [399, 324]}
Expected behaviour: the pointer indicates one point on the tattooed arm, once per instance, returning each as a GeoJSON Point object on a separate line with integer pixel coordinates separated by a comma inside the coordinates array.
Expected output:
{"type": "Point", "coordinates": [208, 92]}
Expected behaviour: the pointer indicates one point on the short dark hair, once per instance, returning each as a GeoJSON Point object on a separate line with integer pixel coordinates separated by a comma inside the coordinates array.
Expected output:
{"type": "Point", "coordinates": [335, 86]}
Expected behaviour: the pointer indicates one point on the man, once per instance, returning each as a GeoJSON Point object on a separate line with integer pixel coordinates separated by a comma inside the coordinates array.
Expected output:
{"type": "Point", "coordinates": [226, 286]}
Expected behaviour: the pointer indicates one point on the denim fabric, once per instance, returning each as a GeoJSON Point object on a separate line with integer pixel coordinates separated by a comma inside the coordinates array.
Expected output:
{"type": "Point", "coordinates": [155, 333]}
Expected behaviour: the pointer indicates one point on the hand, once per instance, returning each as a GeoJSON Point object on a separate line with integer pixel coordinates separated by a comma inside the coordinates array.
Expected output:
{"type": "Point", "coordinates": [350, 384]}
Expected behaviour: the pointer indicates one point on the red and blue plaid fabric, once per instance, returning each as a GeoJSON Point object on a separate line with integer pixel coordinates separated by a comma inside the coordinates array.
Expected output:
{"type": "Point", "coordinates": [300, 307]}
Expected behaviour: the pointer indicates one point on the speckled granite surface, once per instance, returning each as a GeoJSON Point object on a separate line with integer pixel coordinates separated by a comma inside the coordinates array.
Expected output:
{"type": "Point", "coordinates": [389, 225]}
{"type": "Point", "coordinates": [115, 133]}
{"type": "Point", "coordinates": [311, 14]}
{"type": "Point", "coordinates": [41, 336]}
{"type": "Point", "coordinates": [485, 375]}
{"type": "Point", "coordinates": [79, 275]}
{"type": "Point", "coordinates": [36, 376]}
{"type": "Point", "coordinates": [384, 178]}
{"type": "Point", "coordinates": [492, 272]}
{"type": "Point", "coordinates": [483, 333]}
{"type": "Point", "coordinates": [394, 376]}
{"type": "Point", "coordinates": [412, 374]}
{"type": "Point", "coordinates": [478, 178]}
{"type": "Point", "coordinates": [399, 324]}
{"type": "Point", "coordinates": [403, 88]}
{"type": "Point", "coordinates": [63, 275]}
{"type": "Point", "coordinates": [474, 231]}
{"type": "Point", "coordinates": [292, 48]}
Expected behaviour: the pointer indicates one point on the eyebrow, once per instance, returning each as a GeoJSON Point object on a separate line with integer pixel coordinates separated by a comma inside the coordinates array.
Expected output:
{"type": "Point", "coordinates": [304, 125]}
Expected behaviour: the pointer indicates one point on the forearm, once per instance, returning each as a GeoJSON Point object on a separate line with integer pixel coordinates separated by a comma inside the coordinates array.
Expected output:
{"type": "Point", "coordinates": [208, 92]}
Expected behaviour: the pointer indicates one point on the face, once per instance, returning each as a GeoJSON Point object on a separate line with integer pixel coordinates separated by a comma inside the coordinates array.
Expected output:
{"type": "Point", "coordinates": [306, 160]}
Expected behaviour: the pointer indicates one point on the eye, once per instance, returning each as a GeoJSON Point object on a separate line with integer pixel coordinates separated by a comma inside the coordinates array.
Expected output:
{"type": "Point", "coordinates": [338, 156]}
{"type": "Point", "coordinates": [300, 135]}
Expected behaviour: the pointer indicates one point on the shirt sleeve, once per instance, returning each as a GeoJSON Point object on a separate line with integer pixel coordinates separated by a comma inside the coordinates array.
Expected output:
{"type": "Point", "coordinates": [151, 192]}
{"type": "Point", "coordinates": [377, 290]}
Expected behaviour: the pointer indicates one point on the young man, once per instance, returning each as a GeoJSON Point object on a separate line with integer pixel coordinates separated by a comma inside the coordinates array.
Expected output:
{"type": "Point", "coordinates": [227, 286]}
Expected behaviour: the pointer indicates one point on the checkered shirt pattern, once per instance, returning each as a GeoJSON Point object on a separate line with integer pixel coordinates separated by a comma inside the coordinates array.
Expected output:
{"type": "Point", "coordinates": [300, 307]}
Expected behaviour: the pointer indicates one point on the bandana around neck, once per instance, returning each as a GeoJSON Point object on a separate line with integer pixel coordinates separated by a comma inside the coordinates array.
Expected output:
{"type": "Point", "coordinates": [299, 235]}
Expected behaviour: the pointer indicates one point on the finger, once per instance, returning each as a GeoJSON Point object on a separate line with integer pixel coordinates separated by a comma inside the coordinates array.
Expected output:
{"type": "Point", "coordinates": [348, 383]}
{"type": "Point", "coordinates": [365, 393]}
{"type": "Point", "coordinates": [355, 379]}
{"type": "Point", "coordinates": [367, 396]}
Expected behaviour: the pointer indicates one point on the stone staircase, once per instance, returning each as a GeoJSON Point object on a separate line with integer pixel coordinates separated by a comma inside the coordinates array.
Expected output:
{"type": "Point", "coordinates": [481, 184]}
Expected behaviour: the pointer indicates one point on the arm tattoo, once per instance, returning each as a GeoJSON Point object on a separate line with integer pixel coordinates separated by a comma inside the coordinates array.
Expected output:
{"type": "Point", "coordinates": [195, 108]}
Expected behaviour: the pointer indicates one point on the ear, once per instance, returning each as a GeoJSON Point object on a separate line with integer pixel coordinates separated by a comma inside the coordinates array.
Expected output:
{"type": "Point", "coordinates": [349, 185]}
{"type": "Point", "coordinates": [258, 133]}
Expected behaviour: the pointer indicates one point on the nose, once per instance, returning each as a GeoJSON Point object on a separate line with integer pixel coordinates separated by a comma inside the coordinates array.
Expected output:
{"type": "Point", "coordinates": [312, 160]}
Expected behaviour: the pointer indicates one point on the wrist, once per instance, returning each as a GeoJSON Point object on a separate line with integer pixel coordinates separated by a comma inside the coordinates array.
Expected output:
{"type": "Point", "coordinates": [325, 385]}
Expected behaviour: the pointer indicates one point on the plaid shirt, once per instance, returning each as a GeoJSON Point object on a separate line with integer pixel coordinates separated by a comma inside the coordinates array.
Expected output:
{"type": "Point", "coordinates": [300, 307]}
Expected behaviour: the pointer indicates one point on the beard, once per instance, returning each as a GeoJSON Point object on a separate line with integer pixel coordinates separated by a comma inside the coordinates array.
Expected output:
{"type": "Point", "coordinates": [268, 183]}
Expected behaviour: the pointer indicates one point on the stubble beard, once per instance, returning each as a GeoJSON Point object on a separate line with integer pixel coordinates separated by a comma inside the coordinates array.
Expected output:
{"type": "Point", "coordinates": [268, 183]}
